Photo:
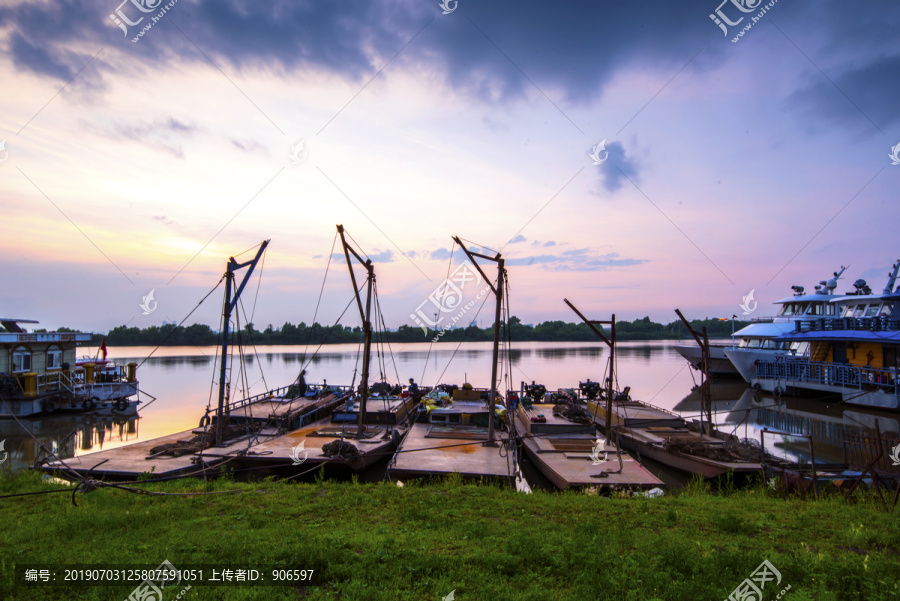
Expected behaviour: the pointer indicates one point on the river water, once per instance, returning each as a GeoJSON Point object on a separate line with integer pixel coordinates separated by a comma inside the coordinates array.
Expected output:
{"type": "Point", "coordinates": [183, 381]}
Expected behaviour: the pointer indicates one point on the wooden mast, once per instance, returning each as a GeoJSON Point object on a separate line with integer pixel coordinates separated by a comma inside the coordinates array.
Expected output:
{"type": "Point", "coordinates": [227, 308]}
{"type": "Point", "coordinates": [364, 314]}
{"type": "Point", "coordinates": [611, 343]}
{"type": "Point", "coordinates": [498, 292]}
{"type": "Point", "coordinates": [705, 398]}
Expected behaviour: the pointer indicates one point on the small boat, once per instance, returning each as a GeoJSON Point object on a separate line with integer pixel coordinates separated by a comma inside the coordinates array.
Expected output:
{"type": "Point", "coordinates": [653, 432]}
{"type": "Point", "coordinates": [457, 430]}
{"type": "Point", "coordinates": [572, 454]}
{"type": "Point", "coordinates": [666, 438]}
{"type": "Point", "coordinates": [452, 437]}
{"type": "Point", "coordinates": [332, 437]}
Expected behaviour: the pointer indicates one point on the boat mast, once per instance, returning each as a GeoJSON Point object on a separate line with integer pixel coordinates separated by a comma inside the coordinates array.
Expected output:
{"type": "Point", "coordinates": [364, 314]}
{"type": "Point", "coordinates": [227, 308]}
{"type": "Point", "coordinates": [705, 398]}
{"type": "Point", "coordinates": [892, 279]}
{"type": "Point", "coordinates": [611, 343]}
{"type": "Point", "coordinates": [498, 292]}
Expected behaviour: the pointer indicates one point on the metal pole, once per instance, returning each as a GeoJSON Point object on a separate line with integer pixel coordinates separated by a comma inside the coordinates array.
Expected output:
{"type": "Point", "coordinates": [496, 354]}
{"type": "Point", "coordinates": [367, 346]}
{"type": "Point", "coordinates": [707, 400]}
{"type": "Point", "coordinates": [612, 375]}
{"type": "Point", "coordinates": [226, 318]}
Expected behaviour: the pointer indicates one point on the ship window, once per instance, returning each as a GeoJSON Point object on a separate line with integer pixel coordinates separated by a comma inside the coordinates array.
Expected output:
{"type": "Point", "coordinates": [816, 309]}
{"type": "Point", "coordinates": [788, 309]}
{"type": "Point", "coordinates": [873, 310]}
{"type": "Point", "coordinates": [768, 344]}
{"type": "Point", "coordinates": [847, 311]}
{"type": "Point", "coordinates": [21, 359]}
{"type": "Point", "coordinates": [783, 309]}
{"type": "Point", "coordinates": [859, 310]}
{"type": "Point", "coordinates": [54, 357]}
{"type": "Point", "coordinates": [885, 309]}
{"type": "Point", "coordinates": [829, 310]}
{"type": "Point", "coordinates": [754, 343]}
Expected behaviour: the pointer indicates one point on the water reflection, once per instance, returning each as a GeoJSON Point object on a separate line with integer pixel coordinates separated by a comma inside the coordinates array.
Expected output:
{"type": "Point", "coordinates": [65, 435]}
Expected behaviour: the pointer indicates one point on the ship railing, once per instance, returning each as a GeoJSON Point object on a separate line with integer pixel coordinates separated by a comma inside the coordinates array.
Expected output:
{"type": "Point", "coordinates": [872, 324]}
{"type": "Point", "coordinates": [71, 381]}
{"type": "Point", "coordinates": [762, 319]}
{"type": "Point", "coordinates": [279, 392]}
{"type": "Point", "coordinates": [830, 374]}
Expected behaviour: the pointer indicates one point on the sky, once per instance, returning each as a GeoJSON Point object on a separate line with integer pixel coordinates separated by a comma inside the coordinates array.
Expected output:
{"type": "Point", "coordinates": [631, 157]}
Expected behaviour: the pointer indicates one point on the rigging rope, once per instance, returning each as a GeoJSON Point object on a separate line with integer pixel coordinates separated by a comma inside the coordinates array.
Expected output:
{"type": "Point", "coordinates": [181, 322]}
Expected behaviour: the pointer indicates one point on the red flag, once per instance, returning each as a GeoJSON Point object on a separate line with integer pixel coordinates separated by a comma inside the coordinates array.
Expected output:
{"type": "Point", "coordinates": [103, 348]}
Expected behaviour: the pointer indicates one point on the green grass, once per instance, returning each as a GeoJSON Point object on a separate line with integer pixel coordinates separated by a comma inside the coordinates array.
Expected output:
{"type": "Point", "coordinates": [381, 542]}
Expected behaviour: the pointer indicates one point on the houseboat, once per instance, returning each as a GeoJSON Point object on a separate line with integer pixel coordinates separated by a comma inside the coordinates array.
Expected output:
{"type": "Point", "coordinates": [40, 375]}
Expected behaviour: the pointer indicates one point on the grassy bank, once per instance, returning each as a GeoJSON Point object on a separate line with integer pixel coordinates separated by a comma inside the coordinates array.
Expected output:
{"type": "Point", "coordinates": [381, 542]}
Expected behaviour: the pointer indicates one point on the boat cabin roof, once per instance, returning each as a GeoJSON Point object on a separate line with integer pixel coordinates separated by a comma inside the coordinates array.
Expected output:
{"type": "Point", "coordinates": [11, 323]}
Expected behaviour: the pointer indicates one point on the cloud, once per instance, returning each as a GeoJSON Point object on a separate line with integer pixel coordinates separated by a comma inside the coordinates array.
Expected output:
{"type": "Point", "coordinates": [386, 256]}
{"type": "Point", "coordinates": [582, 259]}
{"type": "Point", "coordinates": [617, 168]}
{"type": "Point", "coordinates": [494, 51]}
{"type": "Point", "coordinates": [439, 254]}
{"type": "Point", "coordinates": [517, 239]}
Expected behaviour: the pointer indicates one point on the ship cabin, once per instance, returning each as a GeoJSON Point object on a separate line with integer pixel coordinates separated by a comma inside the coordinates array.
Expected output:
{"type": "Point", "coordinates": [36, 364]}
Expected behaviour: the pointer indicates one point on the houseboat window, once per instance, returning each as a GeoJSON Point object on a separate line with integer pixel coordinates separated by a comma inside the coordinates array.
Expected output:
{"type": "Point", "coordinates": [847, 311]}
{"type": "Point", "coordinates": [801, 308]}
{"type": "Point", "coordinates": [453, 418]}
{"type": "Point", "coordinates": [859, 310]}
{"type": "Point", "coordinates": [873, 310]}
{"type": "Point", "coordinates": [21, 359]}
{"type": "Point", "coordinates": [788, 309]}
{"type": "Point", "coordinates": [767, 344]}
{"type": "Point", "coordinates": [885, 309]}
{"type": "Point", "coordinates": [54, 357]}
{"type": "Point", "coordinates": [754, 343]}
{"type": "Point", "coordinates": [829, 310]}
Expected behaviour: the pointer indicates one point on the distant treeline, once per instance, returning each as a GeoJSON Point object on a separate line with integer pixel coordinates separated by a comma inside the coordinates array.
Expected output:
{"type": "Point", "coordinates": [556, 331]}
